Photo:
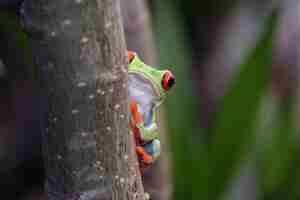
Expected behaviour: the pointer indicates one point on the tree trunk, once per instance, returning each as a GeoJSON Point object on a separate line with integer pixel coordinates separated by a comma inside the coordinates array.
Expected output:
{"type": "Point", "coordinates": [79, 49]}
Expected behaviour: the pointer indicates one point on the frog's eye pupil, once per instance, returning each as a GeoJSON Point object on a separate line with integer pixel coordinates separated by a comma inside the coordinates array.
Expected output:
{"type": "Point", "coordinates": [168, 81]}
{"type": "Point", "coordinates": [171, 82]}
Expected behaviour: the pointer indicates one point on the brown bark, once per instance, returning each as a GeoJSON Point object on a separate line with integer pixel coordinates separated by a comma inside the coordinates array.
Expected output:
{"type": "Point", "coordinates": [79, 49]}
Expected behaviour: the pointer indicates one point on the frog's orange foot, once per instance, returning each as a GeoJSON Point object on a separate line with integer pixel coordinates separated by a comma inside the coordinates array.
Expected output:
{"type": "Point", "coordinates": [144, 158]}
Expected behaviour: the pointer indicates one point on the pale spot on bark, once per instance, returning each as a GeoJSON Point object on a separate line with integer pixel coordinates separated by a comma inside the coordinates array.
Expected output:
{"type": "Point", "coordinates": [22, 11]}
{"type": "Point", "coordinates": [84, 40]}
{"type": "Point", "coordinates": [122, 180]}
{"type": "Point", "coordinates": [50, 65]}
{"type": "Point", "coordinates": [108, 128]}
{"type": "Point", "coordinates": [107, 77]}
{"type": "Point", "coordinates": [53, 34]}
{"type": "Point", "coordinates": [93, 194]}
{"type": "Point", "coordinates": [101, 168]}
{"type": "Point", "coordinates": [75, 111]}
{"type": "Point", "coordinates": [117, 106]}
{"type": "Point", "coordinates": [91, 96]}
{"type": "Point", "coordinates": [84, 134]}
{"type": "Point", "coordinates": [81, 84]}
{"type": "Point", "coordinates": [66, 22]}
{"type": "Point", "coordinates": [108, 24]}
{"type": "Point", "coordinates": [78, 1]}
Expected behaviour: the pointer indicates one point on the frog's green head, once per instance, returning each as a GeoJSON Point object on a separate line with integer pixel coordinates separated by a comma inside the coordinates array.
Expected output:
{"type": "Point", "coordinates": [161, 80]}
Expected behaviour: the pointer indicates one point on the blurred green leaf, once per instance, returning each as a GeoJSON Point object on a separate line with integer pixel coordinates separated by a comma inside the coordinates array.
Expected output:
{"type": "Point", "coordinates": [278, 156]}
{"type": "Point", "coordinates": [203, 171]}
{"type": "Point", "coordinates": [189, 157]}
{"type": "Point", "coordinates": [234, 129]}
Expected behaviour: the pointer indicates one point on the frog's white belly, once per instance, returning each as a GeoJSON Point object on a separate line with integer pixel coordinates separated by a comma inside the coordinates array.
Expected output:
{"type": "Point", "coordinates": [144, 95]}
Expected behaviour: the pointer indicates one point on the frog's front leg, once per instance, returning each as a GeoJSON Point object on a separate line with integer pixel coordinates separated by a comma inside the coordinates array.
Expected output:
{"type": "Point", "coordinates": [147, 146]}
{"type": "Point", "coordinates": [142, 133]}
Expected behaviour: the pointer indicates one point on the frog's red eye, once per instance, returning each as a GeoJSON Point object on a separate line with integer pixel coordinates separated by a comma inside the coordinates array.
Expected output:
{"type": "Point", "coordinates": [130, 56]}
{"type": "Point", "coordinates": [168, 80]}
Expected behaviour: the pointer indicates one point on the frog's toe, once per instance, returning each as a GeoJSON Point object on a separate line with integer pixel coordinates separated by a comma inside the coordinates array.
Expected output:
{"type": "Point", "coordinates": [156, 149]}
{"type": "Point", "coordinates": [147, 196]}
{"type": "Point", "coordinates": [153, 148]}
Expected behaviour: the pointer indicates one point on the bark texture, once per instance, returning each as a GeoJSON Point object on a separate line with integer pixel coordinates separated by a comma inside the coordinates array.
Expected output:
{"type": "Point", "coordinates": [79, 49]}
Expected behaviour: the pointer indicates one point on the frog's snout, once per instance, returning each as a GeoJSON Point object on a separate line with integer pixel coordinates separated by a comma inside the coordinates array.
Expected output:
{"type": "Point", "coordinates": [168, 80]}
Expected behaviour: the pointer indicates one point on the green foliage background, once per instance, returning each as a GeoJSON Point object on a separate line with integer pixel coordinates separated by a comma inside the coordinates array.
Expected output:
{"type": "Point", "coordinates": [205, 169]}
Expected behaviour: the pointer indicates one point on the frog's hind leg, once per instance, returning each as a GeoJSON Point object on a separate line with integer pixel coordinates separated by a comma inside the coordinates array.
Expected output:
{"type": "Point", "coordinates": [148, 153]}
{"type": "Point", "coordinates": [144, 156]}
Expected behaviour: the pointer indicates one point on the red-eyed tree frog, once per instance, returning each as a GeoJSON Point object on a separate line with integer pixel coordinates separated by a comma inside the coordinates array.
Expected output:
{"type": "Point", "coordinates": [148, 87]}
